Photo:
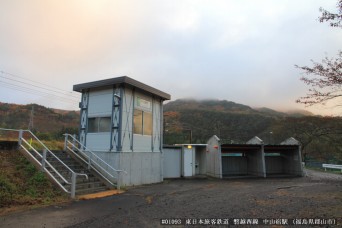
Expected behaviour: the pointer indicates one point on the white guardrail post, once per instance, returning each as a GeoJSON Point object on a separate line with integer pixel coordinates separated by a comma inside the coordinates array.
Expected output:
{"type": "Point", "coordinates": [65, 142]}
{"type": "Point", "coordinates": [118, 180]}
{"type": "Point", "coordinates": [20, 137]}
{"type": "Point", "coordinates": [89, 160]}
{"type": "Point", "coordinates": [73, 185]}
{"type": "Point", "coordinates": [74, 141]}
{"type": "Point", "coordinates": [43, 160]}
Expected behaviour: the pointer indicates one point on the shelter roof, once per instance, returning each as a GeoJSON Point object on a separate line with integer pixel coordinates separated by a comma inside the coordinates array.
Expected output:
{"type": "Point", "coordinates": [239, 147]}
{"type": "Point", "coordinates": [123, 80]}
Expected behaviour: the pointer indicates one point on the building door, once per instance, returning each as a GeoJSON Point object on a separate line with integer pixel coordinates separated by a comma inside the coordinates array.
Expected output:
{"type": "Point", "coordinates": [188, 164]}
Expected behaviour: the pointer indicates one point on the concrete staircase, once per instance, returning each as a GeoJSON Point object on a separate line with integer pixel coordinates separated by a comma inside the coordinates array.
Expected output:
{"type": "Point", "coordinates": [84, 186]}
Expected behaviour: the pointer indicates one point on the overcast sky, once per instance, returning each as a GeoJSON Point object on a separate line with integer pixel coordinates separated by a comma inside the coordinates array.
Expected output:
{"type": "Point", "coordinates": [237, 50]}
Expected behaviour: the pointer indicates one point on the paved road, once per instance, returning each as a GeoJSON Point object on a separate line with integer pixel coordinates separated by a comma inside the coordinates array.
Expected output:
{"type": "Point", "coordinates": [144, 206]}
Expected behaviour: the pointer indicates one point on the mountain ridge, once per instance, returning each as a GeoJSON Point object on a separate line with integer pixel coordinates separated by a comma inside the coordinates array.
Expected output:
{"type": "Point", "coordinates": [48, 120]}
{"type": "Point", "coordinates": [196, 121]}
{"type": "Point", "coordinates": [229, 106]}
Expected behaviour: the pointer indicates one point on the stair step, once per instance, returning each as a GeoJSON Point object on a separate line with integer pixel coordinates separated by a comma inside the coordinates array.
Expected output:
{"type": "Point", "coordinates": [73, 167]}
{"type": "Point", "coordinates": [90, 185]}
{"type": "Point", "coordinates": [67, 171]}
{"type": "Point", "coordinates": [91, 190]}
{"type": "Point", "coordinates": [79, 179]}
{"type": "Point", "coordinates": [83, 185]}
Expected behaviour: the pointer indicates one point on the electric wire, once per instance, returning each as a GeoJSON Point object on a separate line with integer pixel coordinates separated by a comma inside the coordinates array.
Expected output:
{"type": "Point", "coordinates": [11, 79]}
{"type": "Point", "coordinates": [30, 88]}
{"type": "Point", "coordinates": [30, 80]}
{"type": "Point", "coordinates": [38, 93]}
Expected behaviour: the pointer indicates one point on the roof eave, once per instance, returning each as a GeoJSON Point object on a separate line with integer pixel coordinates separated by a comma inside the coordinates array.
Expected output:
{"type": "Point", "coordinates": [121, 80]}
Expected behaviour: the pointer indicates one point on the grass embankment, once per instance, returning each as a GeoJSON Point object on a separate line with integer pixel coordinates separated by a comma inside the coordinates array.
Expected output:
{"type": "Point", "coordinates": [22, 186]}
{"type": "Point", "coordinates": [51, 144]}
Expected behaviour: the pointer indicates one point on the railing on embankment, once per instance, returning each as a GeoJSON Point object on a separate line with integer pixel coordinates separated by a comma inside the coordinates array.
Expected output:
{"type": "Point", "coordinates": [61, 179]}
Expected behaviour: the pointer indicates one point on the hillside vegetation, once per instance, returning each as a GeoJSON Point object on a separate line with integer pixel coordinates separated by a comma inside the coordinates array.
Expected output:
{"type": "Point", "coordinates": [48, 124]}
{"type": "Point", "coordinates": [320, 137]}
{"type": "Point", "coordinates": [22, 185]}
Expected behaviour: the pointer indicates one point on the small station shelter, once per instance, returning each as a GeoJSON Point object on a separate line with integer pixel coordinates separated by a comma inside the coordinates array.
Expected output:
{"type": "Point", "coordinates": [184, 160]}
{"type": "Point", "coordinates": [253, 159]}
{"type": "Point", "coordinates": [122, 120]}
{"type": "Point", "coordinates": [283, 159]}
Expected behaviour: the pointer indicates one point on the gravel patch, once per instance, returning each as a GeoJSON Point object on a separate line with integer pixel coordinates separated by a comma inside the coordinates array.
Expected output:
{"type": "Point", "coordinates": [322, 176]}
{"type": "Point", "coordinates": [318, 195]}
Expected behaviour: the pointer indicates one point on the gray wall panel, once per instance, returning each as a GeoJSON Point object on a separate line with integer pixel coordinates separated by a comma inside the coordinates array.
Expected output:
{"type": "Point", "coordinates": [214, 158]}
{"type": "Point", "coordinates": [100, 103]}
{"type": "Point", "coordinates": [255, 163]}
{"type": "Point", "coordinates": [292, 162]}
{"type": "Point", "coordinates": [142, 168]}
{"type": "Point", "coordinates": [98, 141]}
{"type": "Point", "coordinates": [172, 162]}
{"type": "Point", "coordinates": [274, 165]}
{"type": "Point", "coordinates": [157, 167]}
{"type": "Point", "coordinates": [127, 120]}
{"type": "Point", "coordinates": [234, 165]}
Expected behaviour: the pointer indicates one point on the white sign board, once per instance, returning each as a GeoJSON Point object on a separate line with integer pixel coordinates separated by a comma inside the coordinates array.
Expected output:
{"type": "Point", "coordinates": [143, 103]}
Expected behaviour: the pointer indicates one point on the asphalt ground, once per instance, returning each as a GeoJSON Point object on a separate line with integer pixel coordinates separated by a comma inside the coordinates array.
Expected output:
{"type": "Point", "coordinates": [316, 197]}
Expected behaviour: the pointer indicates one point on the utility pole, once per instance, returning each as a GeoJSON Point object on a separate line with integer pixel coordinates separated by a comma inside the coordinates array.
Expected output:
{"type": "Point", "coordinates": [30, 126]}
{"type": "Point", "coordinates": [190, 138]}
{"type": "Point", "coordinates": [271, 138]}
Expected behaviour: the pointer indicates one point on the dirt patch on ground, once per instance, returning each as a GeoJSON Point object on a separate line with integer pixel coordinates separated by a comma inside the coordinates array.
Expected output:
{"type": "Point", "coordinates": [145, 206]}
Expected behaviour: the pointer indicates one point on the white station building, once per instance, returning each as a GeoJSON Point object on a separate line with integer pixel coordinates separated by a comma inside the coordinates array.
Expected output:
{"type": "Point", "coordinates": [122, 120]}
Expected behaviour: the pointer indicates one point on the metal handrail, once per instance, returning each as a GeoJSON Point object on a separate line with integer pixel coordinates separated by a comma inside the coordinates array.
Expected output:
{"type": "Point", "coordinates": [45, 162]}
{"type": "Point", "coordinates": [9, 129]}
{"type": "Point", "coordinates": [47, 171]}
{"type": "Point", "coordinates": [90, 165]}
{"type": "Point", "coordinates": [90, 151]}
{"type": "Point", "coordinates": [93, 161]}
{"type": "Point", "coordinates": [50, 151]}
{"type": "Point", "coordinates": [48, 163]}
{"type": "Point", "coordinates": [58, 159]}
{"type": "Point", "coordinates": [92, 155]}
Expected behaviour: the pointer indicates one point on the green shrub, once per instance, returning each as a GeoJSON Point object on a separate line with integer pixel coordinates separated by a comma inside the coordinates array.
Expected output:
{"type": "Point", "coordinates": [38, 180]}
{"type": "Point", "coordinates": [7, 190]}
{"type": "Point", "coordinates": [30, 169]}
{"type": "Point", "coordinates": [32, 192]}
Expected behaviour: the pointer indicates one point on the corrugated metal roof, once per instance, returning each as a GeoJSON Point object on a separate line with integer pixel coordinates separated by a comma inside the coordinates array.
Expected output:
{"type": "Point", "coordinates": [121, 80]}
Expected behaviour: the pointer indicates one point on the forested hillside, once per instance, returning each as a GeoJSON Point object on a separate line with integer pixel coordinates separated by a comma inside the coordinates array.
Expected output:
{"type": "Point", "coordinates": [320, 137]}
{"type": "Point", "coordinates": [47, 123]}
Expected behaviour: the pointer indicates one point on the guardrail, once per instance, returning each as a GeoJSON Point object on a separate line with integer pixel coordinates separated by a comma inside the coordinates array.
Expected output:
{"type": "Point", "coordinates": [93, 160]}
{"type": "Point", "coordinates": [44, 163]}
{"type": "Point", "coordinates": [331, 166]}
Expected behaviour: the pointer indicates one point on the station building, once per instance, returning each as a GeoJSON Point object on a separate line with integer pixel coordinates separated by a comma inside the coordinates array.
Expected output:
{"type": "Point", "coordinates": [121, 120]}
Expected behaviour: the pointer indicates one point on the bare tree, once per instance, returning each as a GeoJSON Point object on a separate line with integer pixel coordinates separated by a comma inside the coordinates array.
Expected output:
{"type": "Point", "coordinates": [334, 18]}
{"type": "Point", "coordinates": [325, 78]}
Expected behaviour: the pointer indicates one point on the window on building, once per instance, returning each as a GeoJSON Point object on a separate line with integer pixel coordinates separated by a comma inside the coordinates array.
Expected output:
{"type": "Point", "coordinates": [99, 124]}
{"type": "Point", "coordinates": [147, 123]}
{"type": "Point", "coordinates": [142, 122]}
